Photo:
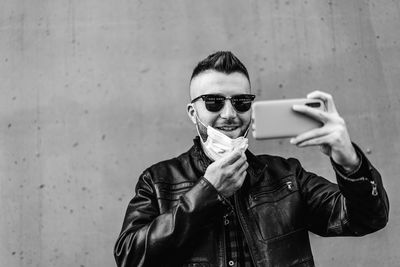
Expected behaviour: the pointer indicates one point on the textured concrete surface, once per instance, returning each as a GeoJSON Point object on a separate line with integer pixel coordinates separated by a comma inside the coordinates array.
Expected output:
{"type": "Point", "coordinates": [93, 92]}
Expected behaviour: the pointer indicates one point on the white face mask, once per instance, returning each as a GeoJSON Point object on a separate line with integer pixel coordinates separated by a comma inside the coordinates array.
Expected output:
{"type": "Point", "coordinates": [218, 144]}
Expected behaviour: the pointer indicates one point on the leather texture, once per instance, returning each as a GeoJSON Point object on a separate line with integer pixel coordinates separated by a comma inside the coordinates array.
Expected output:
{"type": "Point", "coordinates": [175, 218]}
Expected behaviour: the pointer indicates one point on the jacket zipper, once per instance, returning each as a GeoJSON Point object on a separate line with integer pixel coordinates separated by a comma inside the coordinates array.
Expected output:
{"type": "Point", "coordinates": [241, 219]}
{"type": "Point", "coordinates": [288, 184]}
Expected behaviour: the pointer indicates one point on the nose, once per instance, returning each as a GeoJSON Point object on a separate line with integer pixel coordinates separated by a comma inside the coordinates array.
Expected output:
{"type": "Point", "coordinates": [228, 112]}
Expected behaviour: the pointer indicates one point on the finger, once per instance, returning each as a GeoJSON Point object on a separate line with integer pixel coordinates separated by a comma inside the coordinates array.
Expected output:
{"type": "Point", "coordinates": [326, 98]}
{"type": "Point", "coordinates": [239, 168]}
{"type": "Point", "coordinates": [242, 175]}
{"type": "Point", "coordinates": [314, 133]}
{"type": "Point", "coordinates": [323, 140]}
{"type": "Point", "coordinates": [314, 113]}
{"type": "Point", "coordinates": [231, 157]}
{"type": "Point", "coordinates": [237, 165]}
{"type": "Point", "coordinates": [243, 168]}
{"type": "Point", "coordinates": [241, 179]}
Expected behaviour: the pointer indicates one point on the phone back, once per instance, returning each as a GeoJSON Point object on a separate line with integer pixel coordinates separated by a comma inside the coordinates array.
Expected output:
{"type": "Point", "coordinates": [276, 118]}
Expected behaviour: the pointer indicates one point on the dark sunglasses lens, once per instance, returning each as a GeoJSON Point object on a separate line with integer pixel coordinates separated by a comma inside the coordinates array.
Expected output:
{"type": "Point", "coordinates": [242, 103]}
{"type": "Point", "coordinates": [214, 103]}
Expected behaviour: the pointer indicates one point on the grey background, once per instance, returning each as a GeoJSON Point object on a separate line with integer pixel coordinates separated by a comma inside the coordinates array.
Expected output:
{"type": "Point", "coordinates": [93, 92]}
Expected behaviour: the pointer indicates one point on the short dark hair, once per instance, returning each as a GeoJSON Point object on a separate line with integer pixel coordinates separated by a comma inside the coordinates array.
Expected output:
{"type": "Point", "coordinates": [222, 61]}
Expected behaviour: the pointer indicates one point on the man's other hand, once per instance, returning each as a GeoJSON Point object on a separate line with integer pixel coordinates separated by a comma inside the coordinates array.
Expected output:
{"type": "Point", "coordinates": [333, 136]}
{"type": "Point", "coordinates": [228, 173]}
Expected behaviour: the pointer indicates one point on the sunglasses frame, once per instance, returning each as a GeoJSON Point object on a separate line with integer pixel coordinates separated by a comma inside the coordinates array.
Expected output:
{"type": "Point", "coordinates": [204, 97]}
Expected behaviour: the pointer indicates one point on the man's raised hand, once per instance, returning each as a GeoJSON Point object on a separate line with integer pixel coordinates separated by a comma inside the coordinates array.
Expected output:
{"type": "Point", "coordinates": [333, 136]}
{"type": "Point", "coordinates": [227, 174]}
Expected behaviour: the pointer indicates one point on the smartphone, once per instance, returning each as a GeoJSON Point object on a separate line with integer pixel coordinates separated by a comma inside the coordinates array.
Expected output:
{"type": "Point", "coordinates": [274, 119]}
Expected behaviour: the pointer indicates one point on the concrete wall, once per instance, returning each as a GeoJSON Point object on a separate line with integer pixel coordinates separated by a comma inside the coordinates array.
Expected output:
{"type": "Point", "coordinates": [93, 92]}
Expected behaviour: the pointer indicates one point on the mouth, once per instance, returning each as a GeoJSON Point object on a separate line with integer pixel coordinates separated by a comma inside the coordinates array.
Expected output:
{"type": "Point", "coordinates": [231, 131]}
{"type": "Point", "coordinates": [228, 127]}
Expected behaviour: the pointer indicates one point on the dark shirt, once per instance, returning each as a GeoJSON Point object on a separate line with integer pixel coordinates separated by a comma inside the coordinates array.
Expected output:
{"type": "Point", "coordinates": [237, 250]}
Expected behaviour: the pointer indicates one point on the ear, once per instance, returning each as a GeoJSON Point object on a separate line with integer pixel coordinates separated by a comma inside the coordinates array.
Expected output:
{"type": "Point", "coordinates": [191, 113]}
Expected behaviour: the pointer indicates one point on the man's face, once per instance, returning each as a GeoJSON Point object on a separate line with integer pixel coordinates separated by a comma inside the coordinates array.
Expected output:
{"type": "Point", "coordinates": [227, 120]}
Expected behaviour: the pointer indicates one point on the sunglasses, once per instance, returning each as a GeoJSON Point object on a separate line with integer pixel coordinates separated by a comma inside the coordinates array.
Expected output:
{"type": "Point", "coordinates": [214, 103]}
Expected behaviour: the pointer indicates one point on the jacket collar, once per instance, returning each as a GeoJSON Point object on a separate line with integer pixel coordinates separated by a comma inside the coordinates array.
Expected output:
{"type": "Point", "coordinates": [256, 168]}
{"type": "Point", "coordinates": [199, 156]}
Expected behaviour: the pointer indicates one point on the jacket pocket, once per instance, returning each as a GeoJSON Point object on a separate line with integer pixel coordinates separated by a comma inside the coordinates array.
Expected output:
{"type": "Point", "coordinates": [291, 249]}
{"type": "Point", "coordinates": [276, 208]}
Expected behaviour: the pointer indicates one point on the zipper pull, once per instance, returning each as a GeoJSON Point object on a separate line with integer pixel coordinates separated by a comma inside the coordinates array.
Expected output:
{"type": "Point", "coordinates": [289, 185]}
{"type": "Point", "coordinates": [226, 220]}
{"type": "Point", "coordinates": [374, 188]}
{"type": "Point", "coordinates": [226, 217]}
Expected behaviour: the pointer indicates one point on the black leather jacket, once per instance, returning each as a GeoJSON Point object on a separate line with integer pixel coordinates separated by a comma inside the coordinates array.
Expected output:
{"type": "Point", "coordinates": [175, 218]}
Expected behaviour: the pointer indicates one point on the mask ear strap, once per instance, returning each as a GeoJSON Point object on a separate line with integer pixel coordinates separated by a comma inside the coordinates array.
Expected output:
{"type": "Point", "coordinates": [195, 111]}
{"type": "Point", "coordinates": [197, 127]}
{"type": "Point", "coordinates": [247, 131]}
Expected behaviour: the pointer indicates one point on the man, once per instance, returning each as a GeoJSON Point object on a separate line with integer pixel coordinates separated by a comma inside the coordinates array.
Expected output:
{"type": "Point", "coordinates": [220, 205]}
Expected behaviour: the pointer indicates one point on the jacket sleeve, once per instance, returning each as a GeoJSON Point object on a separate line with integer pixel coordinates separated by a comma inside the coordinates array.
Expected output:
{"type": "Point", "coordinates": [355, 206]}
{"type": "Point", "coordinates": [149, 238]}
